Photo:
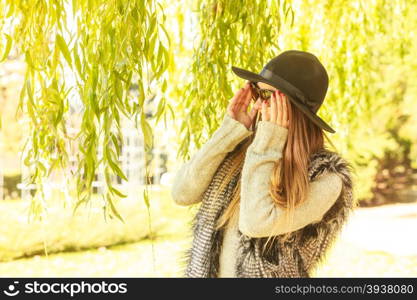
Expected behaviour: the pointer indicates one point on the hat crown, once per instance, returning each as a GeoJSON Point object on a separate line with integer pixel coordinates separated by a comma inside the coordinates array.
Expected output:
{"type": "Point", "coordinates": [304, 71]}
{"type": "Point", "coordinates": [300, 76]}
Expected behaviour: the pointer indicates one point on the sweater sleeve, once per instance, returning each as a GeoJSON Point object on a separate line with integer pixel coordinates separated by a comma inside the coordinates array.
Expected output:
{"type": "Point", "coordinates": [259, 216]}
{"type": "Point", "coordinates": [194, 176]}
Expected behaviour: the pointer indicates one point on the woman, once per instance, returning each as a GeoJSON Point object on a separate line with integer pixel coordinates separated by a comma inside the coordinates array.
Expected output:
{"type": "Point", "coordinates": [273, 197]}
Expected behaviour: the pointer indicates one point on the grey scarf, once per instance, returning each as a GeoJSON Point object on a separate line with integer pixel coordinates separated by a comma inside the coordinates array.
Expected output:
{"type": "Point", "coordinates": [296, 256]}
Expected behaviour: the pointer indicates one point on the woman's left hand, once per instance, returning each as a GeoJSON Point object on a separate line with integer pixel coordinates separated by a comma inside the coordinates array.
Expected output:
{"type": "Point", "coordinates": [277, 111]}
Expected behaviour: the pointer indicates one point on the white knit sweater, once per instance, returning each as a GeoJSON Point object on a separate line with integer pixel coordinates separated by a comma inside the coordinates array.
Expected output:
{"type": "Point", "coordinates": [257, 214]}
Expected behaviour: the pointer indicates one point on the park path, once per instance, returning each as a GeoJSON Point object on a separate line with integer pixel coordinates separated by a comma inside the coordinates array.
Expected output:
{"type": "Point", "coordinates": [390, 228]}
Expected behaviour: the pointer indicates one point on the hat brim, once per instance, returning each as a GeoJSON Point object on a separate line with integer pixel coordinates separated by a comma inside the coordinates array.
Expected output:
{"type": "Point", "coordinates": [254, 77]}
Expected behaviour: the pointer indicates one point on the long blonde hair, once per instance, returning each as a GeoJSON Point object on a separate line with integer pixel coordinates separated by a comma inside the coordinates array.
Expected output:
{"type": "Point", "coordinates": [304, 138]}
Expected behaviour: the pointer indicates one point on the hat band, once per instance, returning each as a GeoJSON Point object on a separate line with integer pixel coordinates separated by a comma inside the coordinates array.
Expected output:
{"type": "Point", "coordinates": [288, 86]}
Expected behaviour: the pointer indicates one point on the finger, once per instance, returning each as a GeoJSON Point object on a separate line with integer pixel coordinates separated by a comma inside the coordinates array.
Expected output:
{"type": "Point", "coordinates": [285, 110]}
{"type": "Point", "coordinates": [232, 105]}
{"type": "Point", "coordinates": [255, 108]}
{"type": "Point", "coordinates": [247, 98]}
{"type": "Point", "coordinates": [274, 107]}
{"type": "Point", "coordinates": [253, 112]}
{"type": "Point", "coordinates": [242, 97]}
{"type": "Point", "coordinates": [258, 103]}
{"type": "Point", "coordinates": [265, 116]}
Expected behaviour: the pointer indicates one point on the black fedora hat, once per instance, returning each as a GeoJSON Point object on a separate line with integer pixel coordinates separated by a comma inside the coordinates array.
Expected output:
{"type": "Point", "coordinates": [300, 76]}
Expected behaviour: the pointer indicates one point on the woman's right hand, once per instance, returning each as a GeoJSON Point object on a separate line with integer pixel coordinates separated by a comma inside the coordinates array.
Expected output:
{"type": "Point", "coordinates": [238, 106]}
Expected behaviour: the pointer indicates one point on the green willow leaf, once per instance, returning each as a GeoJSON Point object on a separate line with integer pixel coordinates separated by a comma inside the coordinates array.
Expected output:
{"type": "Point", "coordinates": [8, 47]}
{"type": "Point", "coordinates": [146, 198]}
{"type": "Point", "coordinates": [78, 204]}
{"type": "Point", "coordinates": [64, 49]}
{"type": "Point", "coordinates": [160, 110]}
{"type": "Point", "coordinates": [113, 208]}
{"type": "Point", "coordinates": [147, 132]}
{"type": "Point", "coordinates": [116, 168]}
{"type": "Point", "coordinates": [117, 192]}
{"type": "Point", "coordinates": [77, 62]}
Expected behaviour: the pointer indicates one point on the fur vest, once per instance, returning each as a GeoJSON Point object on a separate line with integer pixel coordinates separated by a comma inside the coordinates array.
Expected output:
{"type": "Point", "coordinates": [295, 256]}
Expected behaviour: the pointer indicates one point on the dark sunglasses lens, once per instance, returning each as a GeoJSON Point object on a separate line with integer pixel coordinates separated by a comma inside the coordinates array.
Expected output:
{"type": "Point", "coordinates": [266, 94]}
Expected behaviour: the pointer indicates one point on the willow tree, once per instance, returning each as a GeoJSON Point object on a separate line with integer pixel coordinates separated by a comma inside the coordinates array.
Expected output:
{"type": "Point", "coordinates": [106, 46]}
{"type": "Point", "coordinates": [368, 48]}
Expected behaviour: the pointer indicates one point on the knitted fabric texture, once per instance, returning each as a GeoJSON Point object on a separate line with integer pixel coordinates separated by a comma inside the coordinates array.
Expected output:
{"type": "Point", "coordinates": [296, 256]}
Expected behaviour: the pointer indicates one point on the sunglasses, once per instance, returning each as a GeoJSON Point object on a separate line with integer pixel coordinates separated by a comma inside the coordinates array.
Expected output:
{"type": "Point", "coordinates": [257, 92]}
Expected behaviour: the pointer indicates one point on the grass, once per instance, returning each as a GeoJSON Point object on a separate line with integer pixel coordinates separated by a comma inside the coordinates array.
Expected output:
{"type": "Point", "coordinates": [61, 231]}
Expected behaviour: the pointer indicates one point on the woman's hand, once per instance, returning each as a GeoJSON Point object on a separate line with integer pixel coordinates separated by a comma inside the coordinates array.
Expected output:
{"type": "Point", "coordinates": [277, 111]}
{"type": "Point", "coordinates": [238, 106]}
